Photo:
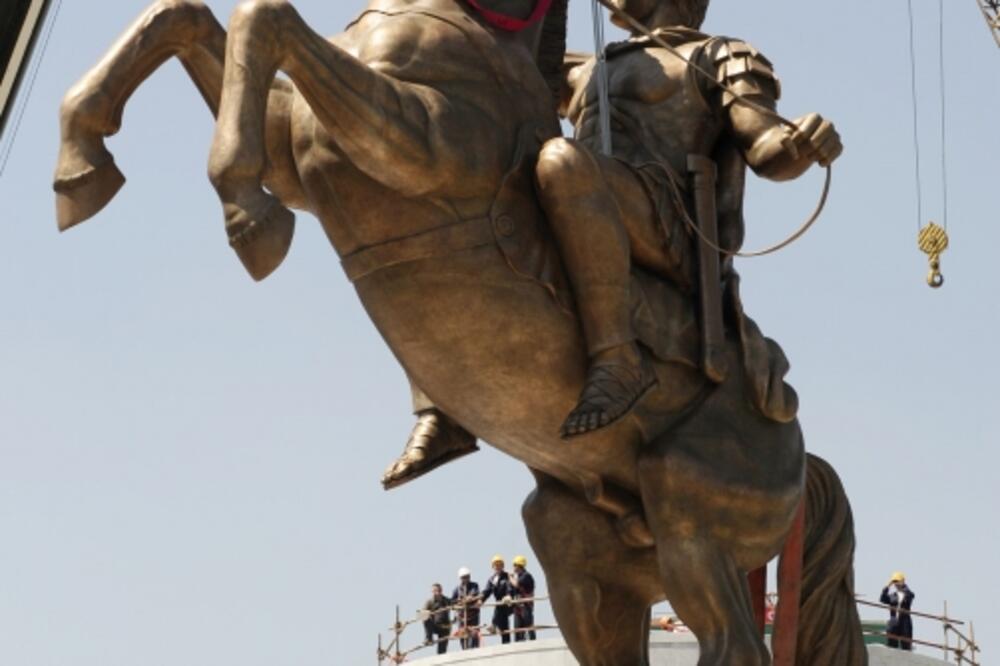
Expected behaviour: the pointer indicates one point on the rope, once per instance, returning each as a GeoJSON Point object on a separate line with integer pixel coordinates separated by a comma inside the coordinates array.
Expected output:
{"type": "Point", "coordinates": [944, 124]}
{"type": "Point", "coordinates": [771, 113]}
{"type": "Point", "coordinates": [30, 88]}
{"type": "Point", "coordinates": [916, 132]}
{"type": "Point", "coordinates": [600, 54]}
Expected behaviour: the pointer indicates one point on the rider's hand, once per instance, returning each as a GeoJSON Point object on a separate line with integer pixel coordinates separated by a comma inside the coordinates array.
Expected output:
{"type": "Point", "coordinates": [816, 139]}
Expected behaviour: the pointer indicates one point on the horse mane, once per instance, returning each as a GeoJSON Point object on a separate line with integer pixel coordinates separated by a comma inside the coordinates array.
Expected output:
{"type": "Point", "coordinates": [552, 47]}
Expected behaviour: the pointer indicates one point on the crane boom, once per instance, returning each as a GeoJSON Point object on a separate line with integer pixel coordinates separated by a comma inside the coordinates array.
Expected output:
{"type": "Point", "coordinates": [991, 12]}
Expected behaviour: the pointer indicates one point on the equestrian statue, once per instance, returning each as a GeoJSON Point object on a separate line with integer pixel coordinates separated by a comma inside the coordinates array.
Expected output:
{"type": "Point", "coordinates": [574, 307]}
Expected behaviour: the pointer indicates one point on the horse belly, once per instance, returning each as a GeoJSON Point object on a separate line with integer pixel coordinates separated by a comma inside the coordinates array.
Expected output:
{"type": "Point", "coordinates": [495, 352]}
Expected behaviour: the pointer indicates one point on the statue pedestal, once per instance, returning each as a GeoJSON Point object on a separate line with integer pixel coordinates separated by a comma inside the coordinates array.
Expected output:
{"type": "Point", "coordinates": [665, 649]}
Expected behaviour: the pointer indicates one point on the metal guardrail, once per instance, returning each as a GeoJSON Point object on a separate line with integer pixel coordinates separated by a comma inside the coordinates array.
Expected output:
{"type": "Point", "coordinates": [394, 653]}
{"type": "Point", "coordinates": [964, 651]}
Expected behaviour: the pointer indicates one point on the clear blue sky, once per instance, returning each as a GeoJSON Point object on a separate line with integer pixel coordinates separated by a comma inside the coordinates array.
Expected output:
{"type": "Point", "coordinates": [189, 461]}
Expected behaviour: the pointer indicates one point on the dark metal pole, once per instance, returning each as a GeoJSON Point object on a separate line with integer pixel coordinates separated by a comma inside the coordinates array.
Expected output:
{"type": "Point", "coordinates": [19, 32]}
{"type": "Point", "coordinates": [786, 615]}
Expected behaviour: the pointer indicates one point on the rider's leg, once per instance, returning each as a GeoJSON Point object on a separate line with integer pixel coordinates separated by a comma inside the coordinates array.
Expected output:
{"type": "Point", "coordinates": [436, 439]}
{"type": "Point", "coordinates": [603, 219]}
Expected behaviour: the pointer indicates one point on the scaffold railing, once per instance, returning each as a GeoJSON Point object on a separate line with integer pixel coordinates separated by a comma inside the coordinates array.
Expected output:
{"type": "Point", "coordinates": [959, 645]}
{"type": "Point", "coordinates": [963, 651]}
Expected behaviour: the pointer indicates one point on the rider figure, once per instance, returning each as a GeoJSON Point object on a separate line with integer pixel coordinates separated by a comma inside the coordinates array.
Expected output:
{"type": "Point", "coordinates": [610, 212]}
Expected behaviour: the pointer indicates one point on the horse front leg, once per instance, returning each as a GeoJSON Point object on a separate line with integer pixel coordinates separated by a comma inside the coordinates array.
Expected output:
{"type": "Point", "coordinates": [86, 177]}
{"type": "Point", "coordinates": [407, 137]}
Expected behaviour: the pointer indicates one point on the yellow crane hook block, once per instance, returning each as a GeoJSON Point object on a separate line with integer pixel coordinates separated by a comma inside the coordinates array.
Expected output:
{"type": "Point", "coordinates": [933, 240]}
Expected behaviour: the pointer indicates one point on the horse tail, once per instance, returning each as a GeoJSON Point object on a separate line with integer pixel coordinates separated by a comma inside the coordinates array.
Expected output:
{"type": "Point", "coordinates": [829, 629]}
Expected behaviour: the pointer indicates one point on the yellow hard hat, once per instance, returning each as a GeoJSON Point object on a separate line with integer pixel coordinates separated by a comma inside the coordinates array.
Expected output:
{"type": "Point", "coordinates": [897, 577]}
{"type": "Point", "coordinates": [497, 558]}
{"type": "Point", "coordinates": [520, 561]}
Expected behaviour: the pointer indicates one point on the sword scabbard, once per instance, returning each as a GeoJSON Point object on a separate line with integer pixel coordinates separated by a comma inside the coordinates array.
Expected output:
{"type": "Point", "coordinates": [704, 174]}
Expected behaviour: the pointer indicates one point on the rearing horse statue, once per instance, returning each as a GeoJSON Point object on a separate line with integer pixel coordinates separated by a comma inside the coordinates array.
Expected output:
{"type": "Point", "coordinates": [413, 137]}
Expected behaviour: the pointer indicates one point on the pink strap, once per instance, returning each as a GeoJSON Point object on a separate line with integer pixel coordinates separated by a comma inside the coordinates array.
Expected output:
{"type": "Point", "coordinates": [510, 23]}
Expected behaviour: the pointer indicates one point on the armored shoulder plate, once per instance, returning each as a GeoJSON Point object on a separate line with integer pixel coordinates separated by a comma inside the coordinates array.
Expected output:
{"type": "Point", "coordinates": [736, 61]}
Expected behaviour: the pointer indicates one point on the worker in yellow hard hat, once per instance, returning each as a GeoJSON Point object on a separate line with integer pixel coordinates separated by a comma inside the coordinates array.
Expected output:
{"type": "Point", "coordinates": [498, 587]}
{"type": "Point", "coordinates": [523, 585]}
{"type": "Point", "coordinates": [899, 597]}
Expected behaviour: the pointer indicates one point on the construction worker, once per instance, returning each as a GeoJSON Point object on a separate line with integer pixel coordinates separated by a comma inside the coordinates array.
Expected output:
{"type": "Point", "coordinates": [523, 585]}
{"type": "Point", "coordinates": [466, 595]}
{"type": "Point", "coordinates": [437, 624]}
{"type": "Point", "coordinates": [899, 597]}
{"type": "Point", "coordinates": [498, 587]}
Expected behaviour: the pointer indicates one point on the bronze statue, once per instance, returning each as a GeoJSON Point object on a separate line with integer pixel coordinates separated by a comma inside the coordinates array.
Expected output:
{"type": "Point", "coordinates": [425, 139]}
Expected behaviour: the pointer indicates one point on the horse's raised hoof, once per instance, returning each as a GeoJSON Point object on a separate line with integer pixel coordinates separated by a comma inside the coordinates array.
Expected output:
{"type": "Point", "coordinates": [609, 393]}
{"type": "Point", "coordinates": [434, 441]}
{"type": "Point", "coordinates": [261, 234]}
{"type": "Point", "coordinates": [81, 193]}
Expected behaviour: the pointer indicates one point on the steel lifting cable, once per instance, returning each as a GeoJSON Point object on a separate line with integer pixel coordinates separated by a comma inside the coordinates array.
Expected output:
{"type": "Point", "coordinates": [659, 41]}
{"type": "Point", "coordinates": [601, 66]}
{"type": "Point", "coordinates": [944, 124]}
{"type": "Point", "coordinates": [932, 239]}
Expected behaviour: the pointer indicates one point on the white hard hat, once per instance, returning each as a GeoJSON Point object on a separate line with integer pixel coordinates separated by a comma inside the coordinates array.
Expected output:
{"type": "Point", "coordinates": [463, 572]}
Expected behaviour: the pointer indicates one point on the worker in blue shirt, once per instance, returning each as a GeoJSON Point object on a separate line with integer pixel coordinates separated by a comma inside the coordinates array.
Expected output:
{"type": "Point", "coordinates": [899, 597]}
{"type": "Point", "coordinates": [523, 585]}
{"type": "Point", "coordinates": [498, 587]}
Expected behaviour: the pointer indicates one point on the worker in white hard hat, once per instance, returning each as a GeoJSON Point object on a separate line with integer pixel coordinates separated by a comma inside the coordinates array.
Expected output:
{"type": "Point", "coordinates": [523, 585]}
{"type": "Point", "coordinates": [466, 596]}
{"type": "Point", "coordinates": [899, 597]}
{"type": "Point", "coordinates": [498, 587]}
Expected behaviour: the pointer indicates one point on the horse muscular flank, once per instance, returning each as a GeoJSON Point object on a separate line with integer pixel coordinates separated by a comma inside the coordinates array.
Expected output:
{"type": "Point", "coordinates": [412, 137]}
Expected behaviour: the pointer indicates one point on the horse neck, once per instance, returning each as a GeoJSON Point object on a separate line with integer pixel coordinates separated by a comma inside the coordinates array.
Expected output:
{"type": "Point", "coordinates": [520, 8]}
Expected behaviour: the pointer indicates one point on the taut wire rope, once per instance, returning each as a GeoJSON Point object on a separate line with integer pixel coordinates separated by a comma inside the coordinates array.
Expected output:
{"type": "Point", "coordinates": [916, 116]}
{"type": "Point", "coordinates": [600, 55]}
{"type": "Point", "coordinates": [944, 124]}
{"type": "Point", "coordinates": [932, 239]}
{"type": "Point", "coordinates": [659, 41]}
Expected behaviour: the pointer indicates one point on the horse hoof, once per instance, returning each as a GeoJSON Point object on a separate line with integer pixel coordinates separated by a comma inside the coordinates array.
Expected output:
{"type": "Point", "coordinates": [82, 194]}
{"type": "Point", "coordinates": [261, 236]}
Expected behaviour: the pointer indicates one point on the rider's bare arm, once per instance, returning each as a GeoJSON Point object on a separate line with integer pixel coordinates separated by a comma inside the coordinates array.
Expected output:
{"type": "Point", "coordinates": [573, 76]}
{"type": "Point", "coordinates": [771, 148]}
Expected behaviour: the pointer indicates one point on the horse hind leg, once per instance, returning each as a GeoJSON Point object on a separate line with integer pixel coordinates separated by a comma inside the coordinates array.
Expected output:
{"type": "Point", "coordinates": [601, 589]}
{"type": "Point", "coordinates": [86, 177]}
{"type": "Point", "coordinates": [707, 538]}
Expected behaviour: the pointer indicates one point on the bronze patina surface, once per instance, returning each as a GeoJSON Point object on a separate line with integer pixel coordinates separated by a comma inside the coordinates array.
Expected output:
{"type": "Point", "coordinates": [500, 262]}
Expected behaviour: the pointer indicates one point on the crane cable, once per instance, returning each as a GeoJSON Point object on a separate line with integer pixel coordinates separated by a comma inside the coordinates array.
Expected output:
{"type": "Point", "coordinates": [932, 238]}
{"type": "Point", "coordinates": [788, 142]}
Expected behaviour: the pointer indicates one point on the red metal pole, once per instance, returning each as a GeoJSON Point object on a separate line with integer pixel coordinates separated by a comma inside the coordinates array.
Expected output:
{"type": "Point", "coordinates": [786, 615]}
{"type": "Point", "coordinates": [758, 596]}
